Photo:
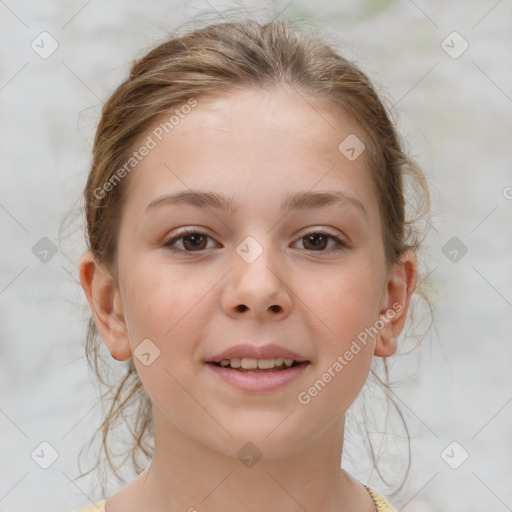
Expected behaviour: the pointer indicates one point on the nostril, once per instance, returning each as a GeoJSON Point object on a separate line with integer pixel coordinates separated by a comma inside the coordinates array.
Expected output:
{"type": "Point", "coordinates": [241, 307]}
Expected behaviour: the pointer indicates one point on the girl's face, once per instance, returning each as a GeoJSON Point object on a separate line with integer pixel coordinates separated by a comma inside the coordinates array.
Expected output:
{"type": "Point", "coordinates": [286, 250]}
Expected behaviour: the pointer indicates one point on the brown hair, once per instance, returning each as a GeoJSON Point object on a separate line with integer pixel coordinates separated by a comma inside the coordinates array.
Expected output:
{"type": "Point", "coordinates": [210, 61]}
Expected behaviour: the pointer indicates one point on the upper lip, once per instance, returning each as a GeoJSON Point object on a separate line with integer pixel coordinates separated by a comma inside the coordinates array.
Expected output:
{"type": "Point", "coordinates": [256, 352]}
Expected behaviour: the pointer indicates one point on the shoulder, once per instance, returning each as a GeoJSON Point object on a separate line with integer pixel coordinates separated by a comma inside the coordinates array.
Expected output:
{"type": "Point", "coordinates": [95, 507]}
{"type": "Point", "coordinates": [381, 503]}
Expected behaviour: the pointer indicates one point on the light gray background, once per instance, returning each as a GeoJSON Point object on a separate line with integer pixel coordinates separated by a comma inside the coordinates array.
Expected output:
{"type": "Point", "coordinates": [455, 114]}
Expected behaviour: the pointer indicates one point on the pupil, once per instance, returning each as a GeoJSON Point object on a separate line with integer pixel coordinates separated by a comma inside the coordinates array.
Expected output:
{"type": "Point", "coordinates": [195, 239]}
{"type": "Point", "coordinates": [314, 239]}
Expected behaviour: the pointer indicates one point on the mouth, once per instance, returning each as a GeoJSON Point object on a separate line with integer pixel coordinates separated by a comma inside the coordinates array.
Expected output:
{"type": "Point", "coordinates": [249, 364]}
{"type": "Point", "coordinates": [258, 375]}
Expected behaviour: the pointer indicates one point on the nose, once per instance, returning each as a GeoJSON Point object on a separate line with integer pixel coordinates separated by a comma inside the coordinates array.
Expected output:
{"type": "Point", "coordinates": [259, 289]}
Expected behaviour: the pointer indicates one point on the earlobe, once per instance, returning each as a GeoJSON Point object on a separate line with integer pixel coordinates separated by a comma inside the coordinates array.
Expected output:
{"type": "Point", "coordinates": [395, 305]}
{"type": "Point", "coordinates": [385, 345]}
{"type": "Point", "coordinates": [106, 306]}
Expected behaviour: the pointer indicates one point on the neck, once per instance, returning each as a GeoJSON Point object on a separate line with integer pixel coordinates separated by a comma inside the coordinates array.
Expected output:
{"type": "Point", "coordinates": [185, 474]}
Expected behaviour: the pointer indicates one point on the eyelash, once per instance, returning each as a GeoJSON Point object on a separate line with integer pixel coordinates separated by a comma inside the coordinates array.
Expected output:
{"type": "Point", "coordinates": [340, 244]}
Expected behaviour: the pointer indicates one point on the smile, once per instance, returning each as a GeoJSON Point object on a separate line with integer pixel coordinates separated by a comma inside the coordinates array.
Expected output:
{"type": "Point", "coordinates": [250, 363]}
{"type": "Point", "coordinates": [251, 374]}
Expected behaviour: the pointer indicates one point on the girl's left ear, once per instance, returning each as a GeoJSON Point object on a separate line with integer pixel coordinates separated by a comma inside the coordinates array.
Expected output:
{"type": "Point", "coordinates": [395, 304]}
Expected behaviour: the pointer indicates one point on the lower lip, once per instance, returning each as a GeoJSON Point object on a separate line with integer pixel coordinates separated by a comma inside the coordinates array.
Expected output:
{"type": "Point", "coordinates": [262, 381]}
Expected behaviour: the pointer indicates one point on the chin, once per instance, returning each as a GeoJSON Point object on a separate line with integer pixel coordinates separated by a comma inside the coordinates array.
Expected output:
{"type": "Point", "coordinates": [271, 440]}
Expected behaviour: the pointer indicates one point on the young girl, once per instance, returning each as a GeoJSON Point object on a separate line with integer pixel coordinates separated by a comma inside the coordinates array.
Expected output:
{"type": "Point", "coordinates": [249, 257]}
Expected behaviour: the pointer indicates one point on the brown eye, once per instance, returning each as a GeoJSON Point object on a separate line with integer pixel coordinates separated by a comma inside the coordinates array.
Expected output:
{"type": "Point", "coordinates": [191, 241]}
{"type": "Point", "coordinates": [194, 242]}
{"type": "Point", "coordinates": [318, 241]}
{"type": "Point", "coordinates": [315, 241]}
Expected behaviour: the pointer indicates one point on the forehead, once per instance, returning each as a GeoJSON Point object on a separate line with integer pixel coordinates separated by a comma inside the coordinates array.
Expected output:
{"type": "Point", "coordinates": [253, 143]}
{"type": "Point", "coordinates": [276, 118]}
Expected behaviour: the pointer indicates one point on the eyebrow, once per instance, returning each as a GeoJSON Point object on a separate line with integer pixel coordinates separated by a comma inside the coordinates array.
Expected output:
{"type": "Point", "coordinates": [219, 202]}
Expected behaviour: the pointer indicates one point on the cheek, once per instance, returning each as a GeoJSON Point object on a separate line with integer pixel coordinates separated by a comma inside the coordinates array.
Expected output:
{"type": "Point", "coordinates": [335, 387]}
{"type": "Point", "coordinates": [169, 309]}
{"type": "Point", "coordinates": [345, 300]}
{"type": "Point", "coordinates": [344, 343]}
{"type": "Point", "coordinates": [162, 301]}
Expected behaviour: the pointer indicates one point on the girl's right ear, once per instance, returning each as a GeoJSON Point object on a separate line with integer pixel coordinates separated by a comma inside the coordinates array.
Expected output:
{"type": "Point", "coordinates": [105, 302]}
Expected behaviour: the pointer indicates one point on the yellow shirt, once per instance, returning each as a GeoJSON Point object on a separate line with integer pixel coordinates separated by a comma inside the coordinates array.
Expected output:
{"type": "Point", "coordinates": [381, 504]}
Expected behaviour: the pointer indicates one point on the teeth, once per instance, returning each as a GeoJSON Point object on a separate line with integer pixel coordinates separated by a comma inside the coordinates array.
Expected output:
{"type": "Point", "coordinates": [265, 364]}
{"type": "Point", "coordinates": [249, 363]}
{"type": "Point", "coordinates": [235, 363]}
